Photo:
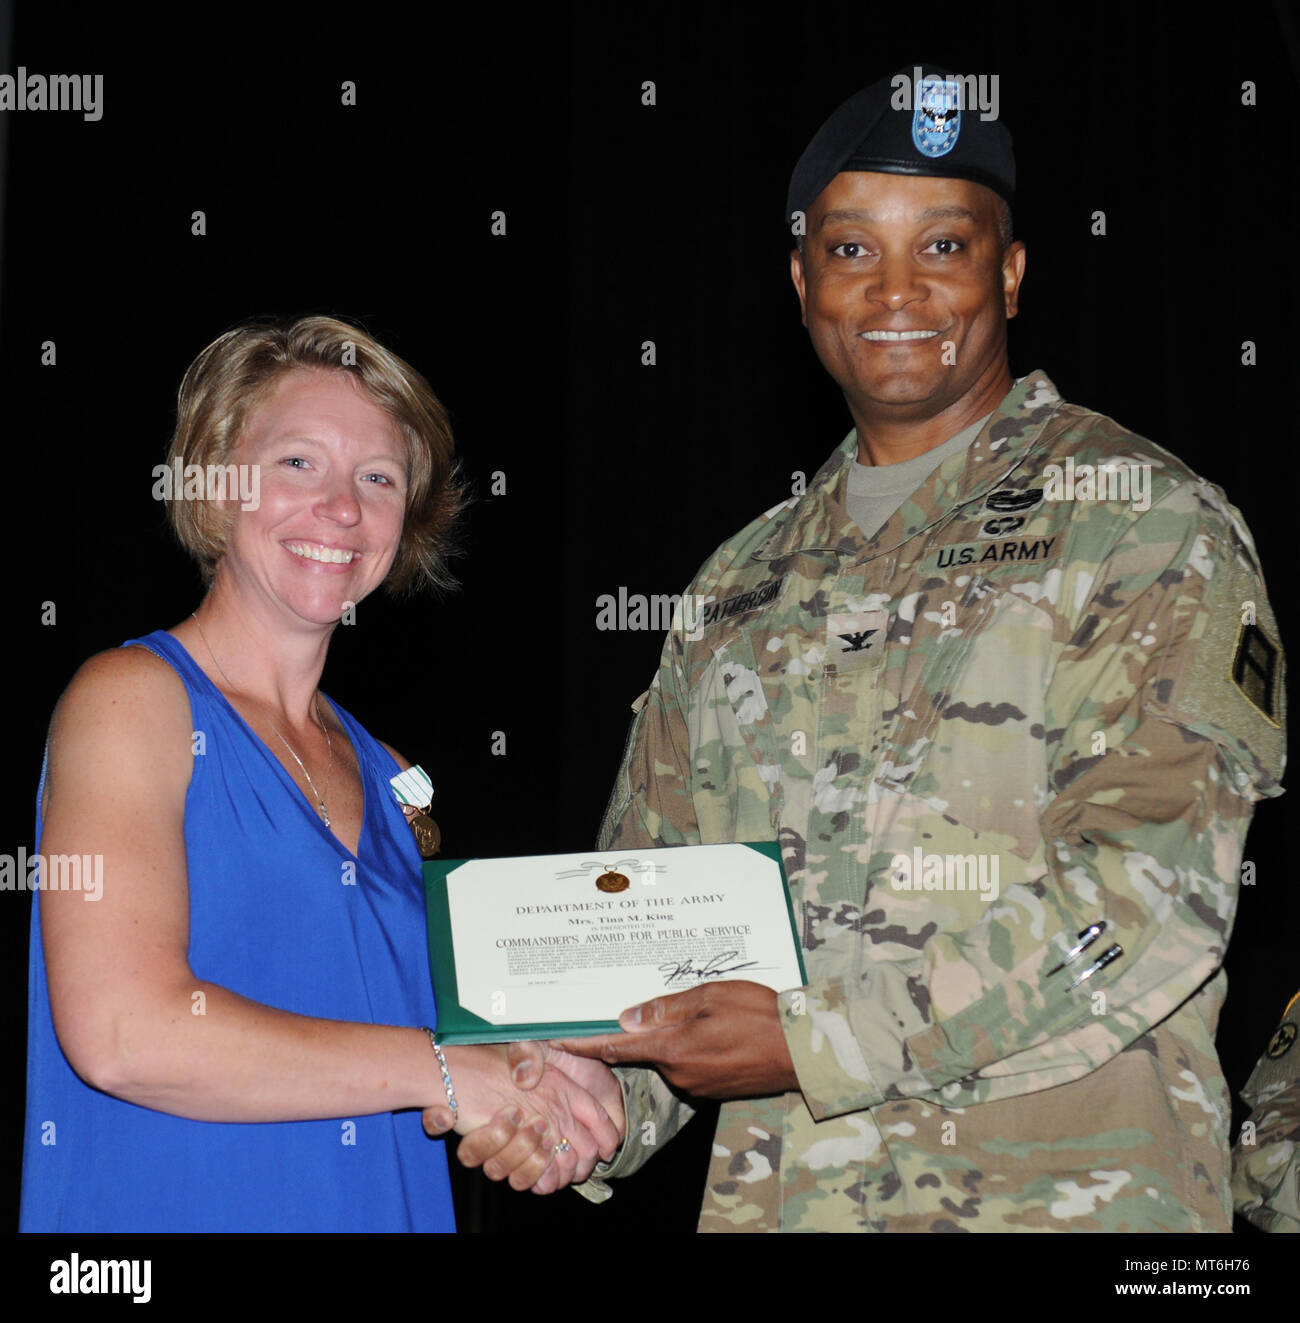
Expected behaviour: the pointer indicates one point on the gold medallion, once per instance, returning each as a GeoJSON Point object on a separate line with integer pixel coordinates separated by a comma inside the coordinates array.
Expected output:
{"type": "Point", "coordinates": [427, 835]}
{"type": "Point", "coordinates": [612, 882]}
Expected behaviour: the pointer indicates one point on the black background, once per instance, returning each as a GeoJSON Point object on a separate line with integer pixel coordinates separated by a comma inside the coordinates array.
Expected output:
{"type": "Point", "coordinates": [625, 223]}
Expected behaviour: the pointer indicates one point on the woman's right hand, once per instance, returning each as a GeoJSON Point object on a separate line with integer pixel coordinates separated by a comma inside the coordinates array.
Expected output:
{"type": "Point", "coordinates": [516, 1136]}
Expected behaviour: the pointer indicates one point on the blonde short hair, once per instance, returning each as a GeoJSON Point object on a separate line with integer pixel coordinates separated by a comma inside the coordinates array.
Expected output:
{"type": "Point", "coordinates": [241, 368]}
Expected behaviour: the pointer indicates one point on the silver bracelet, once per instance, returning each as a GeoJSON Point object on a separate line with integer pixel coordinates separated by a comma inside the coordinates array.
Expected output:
{"type": "Point", "coordinates": [446, 1074]}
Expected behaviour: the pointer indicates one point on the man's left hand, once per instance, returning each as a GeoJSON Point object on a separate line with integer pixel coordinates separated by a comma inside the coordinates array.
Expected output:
{"type": "Point", "coordinates": [718, 1040]}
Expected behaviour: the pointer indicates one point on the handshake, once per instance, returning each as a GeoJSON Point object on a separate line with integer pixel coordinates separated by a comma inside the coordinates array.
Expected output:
{"type": "Point", "coordinates": [532, 1114]}
{"type": "Point", "coordinates": [519, 1105]}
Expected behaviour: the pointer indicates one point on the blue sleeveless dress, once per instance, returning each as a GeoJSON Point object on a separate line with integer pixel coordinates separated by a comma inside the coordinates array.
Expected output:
{"type": "Point", "coordinates": [283, 913]}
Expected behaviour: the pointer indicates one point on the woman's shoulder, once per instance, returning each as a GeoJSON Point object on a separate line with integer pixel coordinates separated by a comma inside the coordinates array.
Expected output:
{"type": "Point", "coordinates": [124, 720]}
{"type": "Point", "coordinates": [129, 686]}
{"type": "Point", "coordinates": [127, 668]}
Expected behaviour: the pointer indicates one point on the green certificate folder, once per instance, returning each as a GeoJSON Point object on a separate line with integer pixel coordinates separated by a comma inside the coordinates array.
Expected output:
{"type": "Point", "coordinates": [555, 946]}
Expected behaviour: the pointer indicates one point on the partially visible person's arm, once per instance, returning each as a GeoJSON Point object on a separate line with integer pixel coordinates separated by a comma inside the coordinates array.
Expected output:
{"type": "Point", "coordinates": [1266, 1156]}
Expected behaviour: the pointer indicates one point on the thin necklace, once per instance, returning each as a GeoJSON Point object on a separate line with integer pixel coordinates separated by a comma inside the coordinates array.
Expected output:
{"type": "Point", "coordinates": [320, 799]}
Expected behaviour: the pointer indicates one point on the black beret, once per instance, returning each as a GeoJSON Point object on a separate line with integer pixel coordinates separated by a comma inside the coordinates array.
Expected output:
{"type": "Point", "coordinates": [911, 124]}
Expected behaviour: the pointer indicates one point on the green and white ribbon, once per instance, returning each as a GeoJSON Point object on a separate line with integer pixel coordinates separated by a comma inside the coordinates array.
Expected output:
{"type": "Point", "coordinates": [413, 787]}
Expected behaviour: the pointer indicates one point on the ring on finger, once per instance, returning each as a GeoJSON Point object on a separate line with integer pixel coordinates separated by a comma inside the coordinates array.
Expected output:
{"type": "Point", "coordinates": [564, 1146]}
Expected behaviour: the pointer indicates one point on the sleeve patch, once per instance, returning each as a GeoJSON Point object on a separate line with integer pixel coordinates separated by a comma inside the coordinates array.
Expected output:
{"type": "Point", "coordinates": [1255, 670]}
{"type": "Point", "coordinates": [1280, 1044]}
{"type": "Point", "coordinates": [1229, 685]}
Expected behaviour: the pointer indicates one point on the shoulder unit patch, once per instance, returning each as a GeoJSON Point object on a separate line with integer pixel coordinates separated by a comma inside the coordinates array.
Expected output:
{"type": "Point", "coordinates": [1254, 670]}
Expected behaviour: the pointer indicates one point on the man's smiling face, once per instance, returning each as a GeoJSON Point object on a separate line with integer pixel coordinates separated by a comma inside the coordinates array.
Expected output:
{"type": "Point", "coordinates": [906, 292]}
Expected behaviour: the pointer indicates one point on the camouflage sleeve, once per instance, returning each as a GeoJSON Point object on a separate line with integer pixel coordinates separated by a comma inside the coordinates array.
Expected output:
{"type": "Point", "coordinates": [654, 1114]}
{"type": "Point", "coordinates": [1266, 1158]}
{"type": "Point", "coordinates": [1155, 756]}
{"type": "Point", "coordinates": [650, 806]}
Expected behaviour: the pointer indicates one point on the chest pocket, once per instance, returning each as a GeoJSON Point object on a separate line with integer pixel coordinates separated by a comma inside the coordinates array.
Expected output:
{"type": "Point", "coordinates": [968, 666]}
{"type": "Point", "coordinates": [736, 781]}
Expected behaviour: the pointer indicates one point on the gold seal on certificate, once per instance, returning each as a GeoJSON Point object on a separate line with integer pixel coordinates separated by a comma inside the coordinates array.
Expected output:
{"type": "Point", "coordinates": [550, 946]}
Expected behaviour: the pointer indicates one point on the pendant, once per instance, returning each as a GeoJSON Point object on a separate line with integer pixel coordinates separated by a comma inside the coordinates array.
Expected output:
{"type": "Point", "coordinates": [427, 836]}
{"type": "Point", "coordinates": [324, 813]}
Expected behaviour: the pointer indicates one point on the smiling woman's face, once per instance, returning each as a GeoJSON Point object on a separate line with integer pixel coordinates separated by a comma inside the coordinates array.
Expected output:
{"type": "Point", "coordinates": [333, 478]}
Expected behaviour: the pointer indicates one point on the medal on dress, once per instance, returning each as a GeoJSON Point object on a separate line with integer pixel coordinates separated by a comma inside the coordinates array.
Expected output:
{"type": "Point", "coordinates": [414, 793]}
{"type": "Point", "coordinates": [427, 835]}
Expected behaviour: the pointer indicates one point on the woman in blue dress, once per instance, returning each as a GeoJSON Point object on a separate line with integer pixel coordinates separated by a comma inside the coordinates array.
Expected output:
{"type": "Point", "coordinates": [227, 1020]}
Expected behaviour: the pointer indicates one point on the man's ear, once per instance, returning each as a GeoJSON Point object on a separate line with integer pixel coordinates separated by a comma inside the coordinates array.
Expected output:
{"type": "Point", "coordinates": [796, 274]}
{"type": "Point", "coordinates": [1013, 272]}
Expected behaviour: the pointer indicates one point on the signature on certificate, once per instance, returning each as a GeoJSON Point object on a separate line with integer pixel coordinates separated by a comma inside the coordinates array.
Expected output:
{"type": "Point", "coordinates": [715, 967]}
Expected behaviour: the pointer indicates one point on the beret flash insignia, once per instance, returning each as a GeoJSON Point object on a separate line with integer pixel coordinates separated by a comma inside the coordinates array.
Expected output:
{"type": "Point", "coordinates": [936, 119]}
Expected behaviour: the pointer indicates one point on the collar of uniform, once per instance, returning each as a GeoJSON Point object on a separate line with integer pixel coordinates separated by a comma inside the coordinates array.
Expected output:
{"type": "Point", "coordinates": [820, 521]}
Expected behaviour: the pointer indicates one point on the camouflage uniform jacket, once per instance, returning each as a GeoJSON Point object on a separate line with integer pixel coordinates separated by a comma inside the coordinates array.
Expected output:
{"type": "Point", "coordinates": [1045, 683]}
{"type": "Point", "coordinates": [1266, 1160]}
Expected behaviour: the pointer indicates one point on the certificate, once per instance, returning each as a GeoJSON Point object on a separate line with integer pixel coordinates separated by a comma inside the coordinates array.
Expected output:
{"type": "Point", "coordinates": [555, 946]}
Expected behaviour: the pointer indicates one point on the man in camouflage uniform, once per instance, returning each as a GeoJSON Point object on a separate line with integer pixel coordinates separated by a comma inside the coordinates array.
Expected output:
{"type": "Point", "coordinates": [1266, 1160]}
{"type": "Point", "coordinates": [1082, 696]}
